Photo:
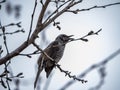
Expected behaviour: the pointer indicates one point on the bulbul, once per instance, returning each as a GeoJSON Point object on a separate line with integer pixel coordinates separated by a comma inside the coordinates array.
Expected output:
{"type": "Point", "coordinates": [55, 51]}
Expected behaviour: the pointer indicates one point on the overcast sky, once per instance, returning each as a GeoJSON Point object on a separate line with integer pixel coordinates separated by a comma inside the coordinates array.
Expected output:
{"type": "Point", "coordinates": [78, 55]}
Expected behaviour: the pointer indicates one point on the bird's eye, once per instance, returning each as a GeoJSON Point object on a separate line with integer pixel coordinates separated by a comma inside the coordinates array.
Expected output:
{"type": "Point", "coordinates": [61, 38]}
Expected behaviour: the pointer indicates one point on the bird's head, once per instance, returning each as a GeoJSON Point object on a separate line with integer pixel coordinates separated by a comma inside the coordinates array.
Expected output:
{"type": "Point", "coordinates": [63, 38]}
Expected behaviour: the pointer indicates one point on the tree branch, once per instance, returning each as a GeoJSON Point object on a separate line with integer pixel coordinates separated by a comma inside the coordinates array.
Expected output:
{"type": "Point", "coordinates": [29, 54]}
{"type": "Point", "coordinates": [4, 38]}
{"type": "Point", "coordinates": [56, 10]}
{"type": "Point", "coordinates": [102, 63]}
{"type": "Point", "coordinates": [32, 16]}
{"type": "Point", "coordinates": [25, 44]}
{"type": "Point", "coordinates": [83, 38]}
{"type": "Point", "coordinates": [12, 24]}
{"type": "Point", "coordinates": [11, 33]}
{"type": "Point", "coordinates": [93, 7]}
{"type": "Point", "coordinates": [58, 13]}
{"type": "Point", "coordinates": [41, 16]}
{"type": "Point", "coordinates": [67, 73]}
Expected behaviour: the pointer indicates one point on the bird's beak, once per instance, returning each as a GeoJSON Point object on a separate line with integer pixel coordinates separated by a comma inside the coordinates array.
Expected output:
{"type": "Point", "coordinates": [70, 37]}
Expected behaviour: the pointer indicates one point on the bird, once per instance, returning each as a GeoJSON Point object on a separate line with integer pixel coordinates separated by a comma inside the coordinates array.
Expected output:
{"type": "Point", "coordinates": [55, 52]}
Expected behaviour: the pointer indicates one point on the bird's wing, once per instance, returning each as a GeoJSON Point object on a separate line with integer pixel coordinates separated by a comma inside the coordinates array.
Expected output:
{"type": "Point", "coordinates": [40, 68]}
{"type": "Point", "coordinates": [51, 52]}
{"type": "Point", "coordinates": [42, 59]}
{"type": "Point", "coordinates": [52, 49]}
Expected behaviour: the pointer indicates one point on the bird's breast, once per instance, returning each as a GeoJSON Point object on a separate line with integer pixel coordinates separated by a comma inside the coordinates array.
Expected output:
{"type": "Point", "coordinates": [58, 53]}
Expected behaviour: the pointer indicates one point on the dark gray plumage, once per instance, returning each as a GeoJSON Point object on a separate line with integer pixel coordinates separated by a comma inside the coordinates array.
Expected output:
{"type": "Point", "coordinates": [54, 50]}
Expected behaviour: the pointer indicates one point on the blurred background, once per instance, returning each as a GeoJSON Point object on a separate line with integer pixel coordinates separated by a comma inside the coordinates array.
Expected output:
{"type": "Point", "coordinates": [78, 55]}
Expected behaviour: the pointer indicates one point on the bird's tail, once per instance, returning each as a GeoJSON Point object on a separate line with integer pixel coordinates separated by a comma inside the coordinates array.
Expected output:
{"type": "Point", "coordinates": [37, 77]}
{"type": "Point", "coordinates": [48, 70]}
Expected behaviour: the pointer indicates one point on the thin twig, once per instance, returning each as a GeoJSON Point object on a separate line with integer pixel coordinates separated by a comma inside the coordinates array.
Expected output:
{"type": "Point", "coordinates": [58, 14]}
{"type": "Point", "coordinates": [83, 38]}
{"type": "Point", "coordinates": [29, 54]}
{"type": "Point", "coordinates": [6, 70]}
{"type": "Point", "coordinates": [11, 33]}
{"type": "Point", "coordinates": [12, 24]}
{"type": "Point", "coordinates": [93, 7]}
{"type": "Point", "coordinates": [4, 38]}
{"type": "Point", "coordinates": [44, 7]}
{"type": "Point", "coordinates": [67, 73]}
{"type": "Point", "coordinates": [42, 51]}
{"type": "Point", "coordinates": [32, 16]}
{"type": "Point", "coordinates": [56, 10]}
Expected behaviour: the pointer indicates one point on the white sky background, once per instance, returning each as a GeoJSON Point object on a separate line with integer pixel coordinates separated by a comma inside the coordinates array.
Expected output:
{"type": "Point", "coordinates": [79, 55]}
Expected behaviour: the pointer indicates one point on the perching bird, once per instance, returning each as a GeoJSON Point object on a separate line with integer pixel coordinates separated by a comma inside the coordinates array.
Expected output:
{"type": "Point", "coordinates": [55, 51]}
